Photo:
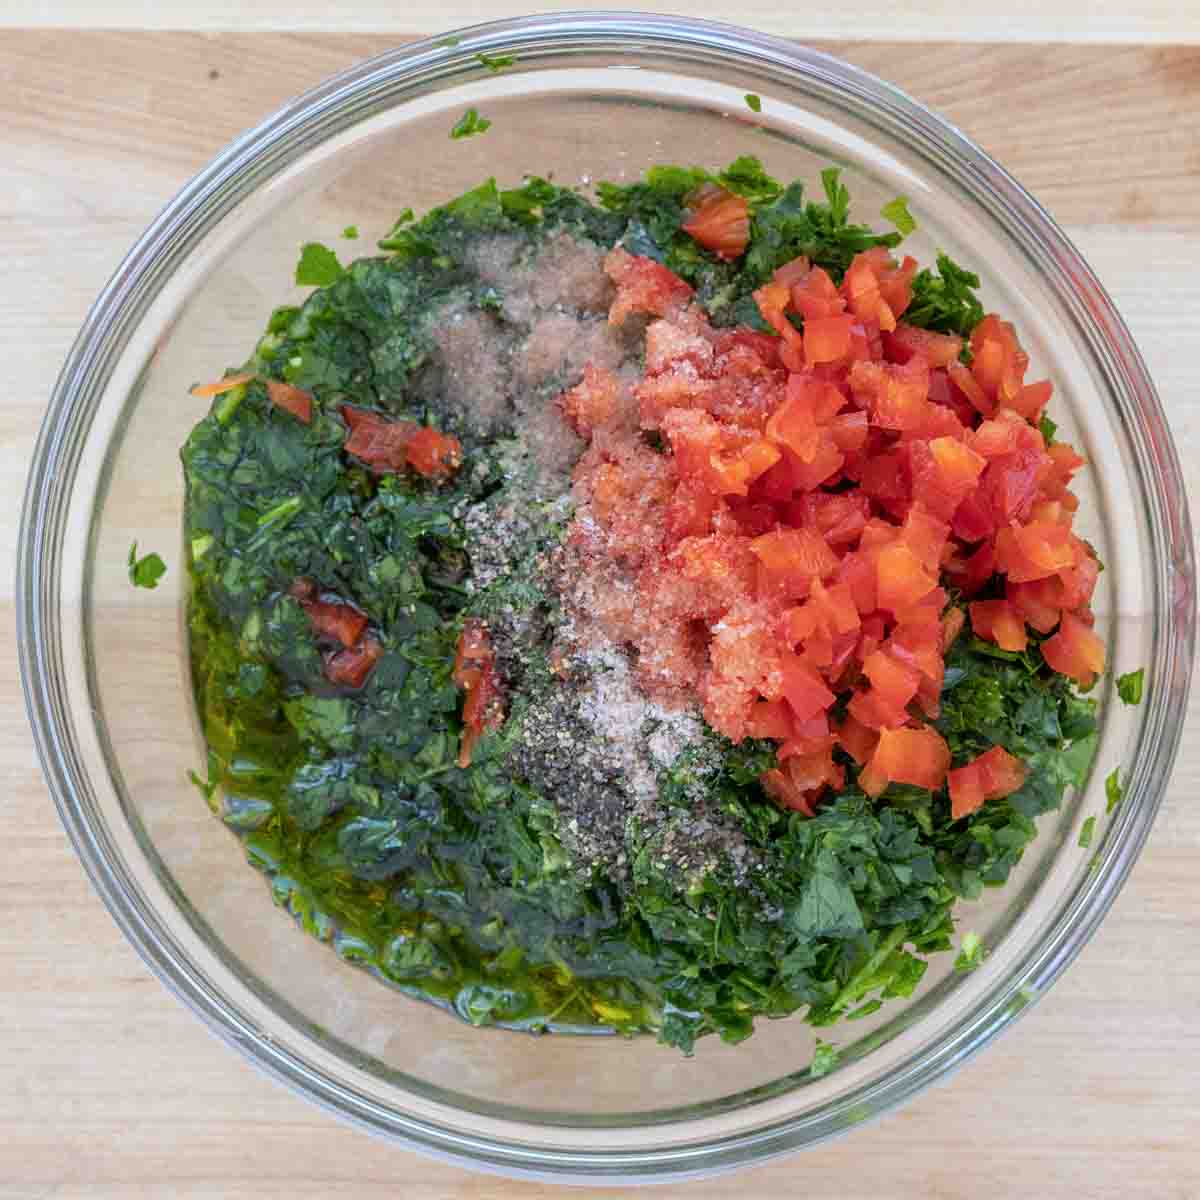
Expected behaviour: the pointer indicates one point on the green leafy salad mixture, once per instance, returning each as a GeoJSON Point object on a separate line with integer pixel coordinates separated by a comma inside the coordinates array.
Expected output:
{"type": "Point", "coordinates": [602, 862]}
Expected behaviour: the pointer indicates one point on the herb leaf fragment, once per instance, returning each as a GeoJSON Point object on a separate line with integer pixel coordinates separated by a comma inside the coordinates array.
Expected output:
{"type": "Point", "coordinates": [145, 572]}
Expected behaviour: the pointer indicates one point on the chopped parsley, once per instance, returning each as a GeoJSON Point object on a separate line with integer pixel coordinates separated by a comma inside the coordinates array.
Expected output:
{"type": "Point", "coordinates": [1086, 832]}
{"type": "Point", "coordinates": [469, 124]}
{"type": "Point", "coordinates": [1130, 687]}
{"type": "Point", "coordinates": [318, 266]}
{"type": "Point", "coordinates": [1113, 789]}
{"type": "Point", "coordinates": [753, 102]}
{"type": "Point", "coordinates": [945, 300]}
{"type": "Point", "coordinates": [495, 62]}
{"type": "Point", "coordinates": [1048, 429]}
{"type": "Point", "coordinates": [971, 952]}
{"type": "Point", "coordinates": [897, 212]}
{"type": "Point", "coordinates": [350, 232]}
{"type": "Point", "coordinates": [145, 572]}
{"type": "Point", "coordinates": [825, 1058]}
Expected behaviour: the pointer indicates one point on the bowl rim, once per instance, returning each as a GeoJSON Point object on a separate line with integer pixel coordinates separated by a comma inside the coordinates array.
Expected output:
{"type": "Point", "coordinates": [231, 176]}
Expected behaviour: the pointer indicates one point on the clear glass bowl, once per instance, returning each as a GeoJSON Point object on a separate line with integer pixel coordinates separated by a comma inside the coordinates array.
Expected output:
{"type": "Point", "coordinates": [591, 96]}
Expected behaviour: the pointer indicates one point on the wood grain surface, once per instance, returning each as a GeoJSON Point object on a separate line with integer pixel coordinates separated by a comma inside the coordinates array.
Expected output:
{"type": "Point", "coordinates": [109, 1088]}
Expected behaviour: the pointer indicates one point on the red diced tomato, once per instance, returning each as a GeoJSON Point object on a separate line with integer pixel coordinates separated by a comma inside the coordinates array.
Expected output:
{"type": "Point", "coordinates": [916, 756]}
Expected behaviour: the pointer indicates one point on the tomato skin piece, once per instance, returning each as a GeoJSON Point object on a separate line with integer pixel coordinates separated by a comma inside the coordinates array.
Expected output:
{"type": "Point", "coordinates": [1075, 651]}
{"type": "Point", "coordinates": [291, 399]}
{"type": "Point", "coordinates": [340, 622]}
{"type": "Point", "coordinates": [720, 223]}
{"type": "Point", "coordinates": [351, 666]}
{"type": "Point", "coordinates": [374, 440]}
{"type": "Point", "coordinates": [917, 756]}
{"type": "Point", "coordinates": [432, 454]}
{"type": "Point", "coordinates": [475, 672]}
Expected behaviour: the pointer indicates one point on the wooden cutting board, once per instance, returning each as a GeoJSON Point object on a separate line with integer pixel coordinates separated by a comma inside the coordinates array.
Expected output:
{"type": "Point", "coordinates": [108, 1087]}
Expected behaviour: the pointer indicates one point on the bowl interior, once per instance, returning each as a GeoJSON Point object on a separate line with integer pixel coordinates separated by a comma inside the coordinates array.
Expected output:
{"type": "Point", "coordinates": [577, 115]}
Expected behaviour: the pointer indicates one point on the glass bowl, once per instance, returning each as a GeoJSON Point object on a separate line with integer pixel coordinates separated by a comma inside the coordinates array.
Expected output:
{"type": "Point", "coordinates": [591, 96]}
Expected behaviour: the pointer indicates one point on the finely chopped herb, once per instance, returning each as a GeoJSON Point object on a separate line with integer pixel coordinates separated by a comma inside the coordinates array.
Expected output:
{"type": "Point", "coordinates": [447, 704]}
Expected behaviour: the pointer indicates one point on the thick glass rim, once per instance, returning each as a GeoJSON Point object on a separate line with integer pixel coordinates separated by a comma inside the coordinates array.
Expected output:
{"type": "Point", "coordinates": [380, 83]}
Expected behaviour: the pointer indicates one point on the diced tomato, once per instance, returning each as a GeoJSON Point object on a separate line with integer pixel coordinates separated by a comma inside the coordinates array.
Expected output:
{"type": "Point", "coordinates": [773, 299]}
{"type": "Point", "coordinates": [925, 536]}
{"type": "Point", "coordinates": [690, 510]}
{"type": "Point", "coordinates": [857, 740]}
{"type": "Point", "coordinates": [961, 377]}
{"type": "Point", "coordinates": [593, 401]}
{"type": "Point", "coordinates": [720, 222]}
{"type": "Point", "coordinates": [1032, 399]}
{"type": "Point", "coordinates": [897, 396]}
{"type": "Point", "coordinates": [901, 578]}
{"type": "Point", "coordinates": [341, 622]}
{"type": "Point", "coordinates": [291, 399]}
{"type": "Point", "coordinates": [997, 621]}
{"type": "Point", "coordinates": [803, 688]}
{"type": "Point", "coordinates": [795, 552]}
{"type": "Point", "coordinates": [916, 756]}
{"type": "Point", "coordinates": [814, 295]}
{"type": "Point", "coordinates": [1034, 551]}
{"type": "Point", "coordinates": [770, 719]}
{"type": "Point", "coordinates": [1075, 651]}
{"type": "Point", "coordinates": [643, 286]}
{"type": "Point", "coordinates": [350, 667]}
{"type": "Point", "coordinates": [990, 776]}
{"type": "Point", "coordinates": [827, 339]}
{"type": "Point", "coordinates": [894, 682]}
{"type": "Point", "coordinates": [938, 349]}
{"type": "Point", "coordinates": [1039, 603]}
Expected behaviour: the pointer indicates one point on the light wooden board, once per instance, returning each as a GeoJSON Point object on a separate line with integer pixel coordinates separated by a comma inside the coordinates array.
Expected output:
{"type": "Point", "coordinates": [1169, 22]}
{"type": "Point", "coordinates": [109, 1088]}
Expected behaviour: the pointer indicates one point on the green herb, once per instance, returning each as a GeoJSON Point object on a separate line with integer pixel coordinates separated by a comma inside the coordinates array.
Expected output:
{"type": "Point", "coordinates": [1048, 428]}
{"type": "Point", "coordinates": [753, 102]}
{"type": "Point", "coordinates": [145, 572]}
{"type": "Point", "coordinates": [350, 232]}
{"type": "Point", "coordinates": [469, 124]}
{"type": "Point", "coordinates": [448, 43]}
{"type": "Point", "coordinates": [1113, 789]}
{"type": "Point", "coordinates": [970, 952]}
{"type": "Point", "coordinates": [318, 266]}
{"type": "Point", "coordinates": [945, 300]}
{"type": "Point", "coordinates": [897, 212]}
{"type": "Point", "coordinates": [1130, 687]}
{"type": "Point", "coordinates": [496, 62]}
{"type": "Point", "coordinates": [1086, 832]}
{"type": "Point", "coordinates": [825, 1058]}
